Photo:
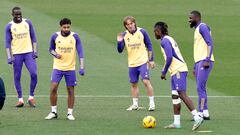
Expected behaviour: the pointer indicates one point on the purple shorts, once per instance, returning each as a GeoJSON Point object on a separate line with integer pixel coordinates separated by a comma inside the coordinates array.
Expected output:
{"type": "Point", "coordinates": [70, 77]}
{"type": "Point", "coordinates": [179, 81]}
{"type": "Point", "coordinates": [134, 73]}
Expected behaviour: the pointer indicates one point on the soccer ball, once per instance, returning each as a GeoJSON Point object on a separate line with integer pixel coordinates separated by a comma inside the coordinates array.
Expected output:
{"type": "Point", "coordinates": [149, 122]}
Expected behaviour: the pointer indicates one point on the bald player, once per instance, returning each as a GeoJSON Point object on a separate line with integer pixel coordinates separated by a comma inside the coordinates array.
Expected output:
{"type": "Point", "coordinates": [63, 47]}
{"type": "Point", "coordinates": [178, 70]}
{"type": "Point", "coordinates": [140, 58]}
{"type": "Point", "coordinates": [203, 57]}
{"type": "Point", "coordinates": [21, 47]}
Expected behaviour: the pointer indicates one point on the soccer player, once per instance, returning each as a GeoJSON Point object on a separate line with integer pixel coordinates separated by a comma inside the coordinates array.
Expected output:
{"type": "Point", "coordinates": [21, 47]}
{"type": "Point", "coordinates": [63, 47]}
{"type": "Point", "coordinates": [140, 58]}
{"type": "Point", "coordinates": [2, 93]}
{"type": "Point", "coordinates": [203, 57]}
{"type": "Point", "coordinates": [175, 64]}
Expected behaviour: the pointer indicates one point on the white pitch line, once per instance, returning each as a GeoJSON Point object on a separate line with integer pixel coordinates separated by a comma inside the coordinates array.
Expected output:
{"type": "Point", "coordinates": [117, 96]}
{"type": "Point", "coordinates": [207, 131]}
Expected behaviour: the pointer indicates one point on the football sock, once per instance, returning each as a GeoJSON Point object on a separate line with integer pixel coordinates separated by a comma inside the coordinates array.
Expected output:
{"type": "Point", "coordinates": [151, 100]}
{"type": "Point", "coordinates": [30, 97]}
{"type": "Point", "coordinates": [205, 113]}
{"type": "Point", "coordinates": [194, 112]}
{"type": "Point", "coordinates": [21, 100]}
{"type": "Point", "coordinates": [135, 101]}
{"type": "Point", "coordinates": [176, 119]}
{"type": "Point", "coordinates": [54, 109]}
{"type": "Point", "coordinates": [70, 111]}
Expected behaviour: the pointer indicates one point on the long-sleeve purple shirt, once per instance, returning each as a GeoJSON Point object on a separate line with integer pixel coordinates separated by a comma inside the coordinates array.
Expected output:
{"type": "Point", "coordinates": [147, 43]}
{"type": "Point", "coordinates": [32, 33]}
{"type": "Point", "coordinates": [8, 36]}
{"type": "Point", "coordinates": [167, 47]}
{"type": "Point", "coordinates": [205, 32]}
{"type": "Point", "coordinates": [78, 45]}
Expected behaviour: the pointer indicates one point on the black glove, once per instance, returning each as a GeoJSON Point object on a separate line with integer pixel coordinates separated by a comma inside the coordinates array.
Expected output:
{"type": "Point", "coordinates": [163, 77]}
{"type": "Point", "coordinates": [206, 64]}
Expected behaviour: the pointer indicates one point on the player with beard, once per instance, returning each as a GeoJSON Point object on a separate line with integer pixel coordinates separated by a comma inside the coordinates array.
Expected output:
{"type": "Point", "coordinates": [203, 57]}
{"type": "Point", "coordinates": [63, 47]}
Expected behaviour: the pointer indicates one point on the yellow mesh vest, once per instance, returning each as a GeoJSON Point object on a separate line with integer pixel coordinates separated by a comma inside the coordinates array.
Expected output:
{"type": "Point", "coordinates": [176, 65]}
{"type": "Point", "coordinates": [200, 46]}
{"type": "Point", "coordinates": [21, 40]}
{"type": "Point", "coordinates": [66, 47]}
{"type": "Point", "coordinates": [136, 49]}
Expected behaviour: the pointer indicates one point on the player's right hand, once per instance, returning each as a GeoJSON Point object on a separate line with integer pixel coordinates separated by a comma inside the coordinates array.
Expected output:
{"type": "Point", "coordinates": [10, 61]}
{"type": "Point", "coordinates": [119, 37]}
{"type": "Point", "coordinates": [151, 64]}
{"type": "Point", "coordinates": [34, 55]}
{"type": "Point", "coordinates": [58, 56]}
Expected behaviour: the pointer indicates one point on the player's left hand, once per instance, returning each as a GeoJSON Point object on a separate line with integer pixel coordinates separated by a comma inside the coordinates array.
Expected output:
{"type": "Point", "coordinates": [82, 72]}
{"type": "Point", "coordinates": [151, 64]}
{"type": "Point", "coordinates": [163, 77]}
{"type": "Point", "coordinates": [206, 64]}
{"type": "Point", "coordinates": [35, 55]}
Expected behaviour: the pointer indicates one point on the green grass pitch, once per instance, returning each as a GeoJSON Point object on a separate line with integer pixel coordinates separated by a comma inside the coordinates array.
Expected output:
{"type": "Point", "coordinates": [104, 91]}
